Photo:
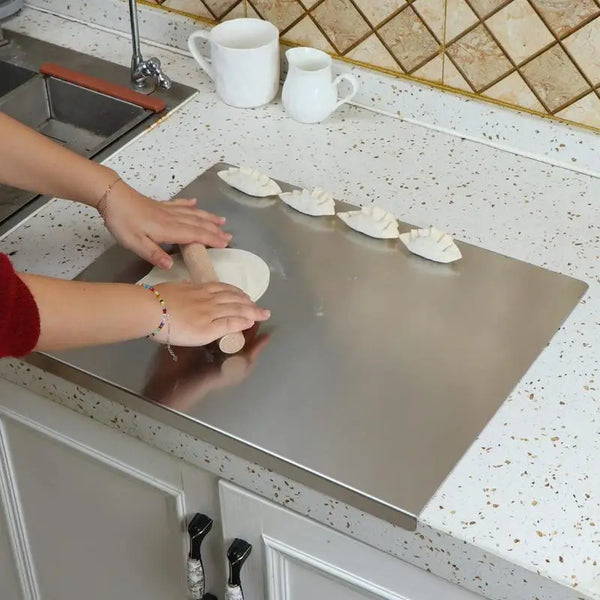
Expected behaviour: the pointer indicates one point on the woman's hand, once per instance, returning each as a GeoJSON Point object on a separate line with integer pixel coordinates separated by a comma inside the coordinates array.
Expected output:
{"type": "Point", "coordinates": [141, 224]}
{"type": "Point", "coordinates": [105, 313]}
{"type": "Point", "coordinates": [200, 314]}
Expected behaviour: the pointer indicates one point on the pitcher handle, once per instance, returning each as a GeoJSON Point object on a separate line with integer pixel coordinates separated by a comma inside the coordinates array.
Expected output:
{"type": "Point", "coordinates": [353, 82]}
{"type": "Point", "coordinates": [204, 62]}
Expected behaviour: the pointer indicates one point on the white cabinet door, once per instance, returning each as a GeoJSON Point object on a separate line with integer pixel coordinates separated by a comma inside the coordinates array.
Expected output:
{"type": "Point", "coordinates": [89, 512]}
{"type": "Point", "coordinates": [10, 585]}
{"type": "Point", "coordinates": [295, 558]}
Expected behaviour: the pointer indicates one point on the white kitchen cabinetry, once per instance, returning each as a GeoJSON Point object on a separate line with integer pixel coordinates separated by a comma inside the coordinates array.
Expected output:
{"type": "Point", "coordinates": [88, 512]}
{"type": "Point", "coordinates": [295, 558]}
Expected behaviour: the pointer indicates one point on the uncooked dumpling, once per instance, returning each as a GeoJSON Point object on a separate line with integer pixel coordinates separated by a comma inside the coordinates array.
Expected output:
{"type": "Point", "coordinates": [250, 181]}
{"type": "Point", "coordinates": [372, 221]}
{"type": "Point", "coordinates": [241, 268]}
{"type": "Point", "coordinates": [316, 203]}
{"type": "Point", "coordinates": [431, 243]}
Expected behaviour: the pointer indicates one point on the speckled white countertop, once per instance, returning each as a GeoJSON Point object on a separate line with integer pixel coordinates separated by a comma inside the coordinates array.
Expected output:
{"type": "Point", "coordinates": [526, 496]}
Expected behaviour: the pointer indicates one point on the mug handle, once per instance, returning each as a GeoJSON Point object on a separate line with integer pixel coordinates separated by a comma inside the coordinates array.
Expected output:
{"type": "Point", "coordinates": [353, 82]}
{"type": "Point", "coordinates": [204, 62]}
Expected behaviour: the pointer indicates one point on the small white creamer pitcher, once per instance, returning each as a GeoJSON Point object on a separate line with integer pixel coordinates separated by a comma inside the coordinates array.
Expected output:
{"type": "Point", "coordinates": [309, 95]}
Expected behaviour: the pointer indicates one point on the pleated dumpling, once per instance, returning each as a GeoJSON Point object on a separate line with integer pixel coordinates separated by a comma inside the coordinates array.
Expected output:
{"type": "Point", "coordinates": [372, 221]}
{"type": "Point", "coordinates": [431, 243]}
{"type": "Point", "coordinates": [250, 181]}
{"type": "Point", "coordinates": [316, 203]}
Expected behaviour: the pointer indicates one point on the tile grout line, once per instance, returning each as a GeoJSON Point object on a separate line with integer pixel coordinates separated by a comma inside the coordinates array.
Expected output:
{"type": "Point", "coordinates": [232, 8]}
{"type": "Point", "coordinates": [444, 33]}
{"type": "Point", "coordinates": [208, 9]}
{"type": "Point", "coordinates": [565, 50]}
{"type": "Point", "coordinates": [431, 33]}
{"type": "Point", "coordinates": [375, 30]}
{"type": "Point", "coordinates": [293, 24]}
{"type": "Point", "coordinates": [320, 28]}
{"type": "Point", "coordinates": [515, 67]}
{"type": "Point", "coordinates": [307, 13]}
{"type": "Point", "coordinates": [481, 22]}
{"type": "Point", "coordinates": [371, 27]}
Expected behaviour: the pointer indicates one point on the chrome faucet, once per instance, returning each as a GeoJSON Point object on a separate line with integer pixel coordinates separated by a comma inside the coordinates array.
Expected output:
{"type": "Point", "coordinates": [145, 74]}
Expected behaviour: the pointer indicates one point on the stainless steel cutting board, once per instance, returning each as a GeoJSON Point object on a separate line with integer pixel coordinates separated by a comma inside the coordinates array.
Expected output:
{"type": "Point", "coordinates": [381, 367]}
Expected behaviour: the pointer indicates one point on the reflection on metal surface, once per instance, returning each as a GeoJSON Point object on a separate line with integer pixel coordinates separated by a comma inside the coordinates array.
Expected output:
{"type": "Point", "coordinates": [381, 368]}
{"type": "Point", "coordinates": [183, 384]}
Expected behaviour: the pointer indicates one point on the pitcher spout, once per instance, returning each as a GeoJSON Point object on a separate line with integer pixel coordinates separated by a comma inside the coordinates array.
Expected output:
{"type": "Point", "coordinates": [308, 59]}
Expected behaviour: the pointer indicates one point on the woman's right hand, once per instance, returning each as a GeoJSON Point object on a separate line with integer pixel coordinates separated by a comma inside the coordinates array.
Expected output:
{"type": "Point", "coordinates": [201, 314]}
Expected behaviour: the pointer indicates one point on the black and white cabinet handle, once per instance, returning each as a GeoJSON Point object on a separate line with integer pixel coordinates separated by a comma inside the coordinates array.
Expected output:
{"type": "Point", "coordinates": [198, 529]}
{"type": "Point", "coordinates": [237, 554]}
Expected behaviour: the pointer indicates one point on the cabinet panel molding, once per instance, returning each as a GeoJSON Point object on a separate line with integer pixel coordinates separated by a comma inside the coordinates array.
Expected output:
{"type": "Point", "coordinates": [281, 559]}
{"type": "Point", "coordinates": [15, 521]}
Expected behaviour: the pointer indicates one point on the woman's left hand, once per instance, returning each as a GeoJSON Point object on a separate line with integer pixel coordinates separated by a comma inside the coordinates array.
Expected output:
{"type": "Point", "coordinates": [140, 224]}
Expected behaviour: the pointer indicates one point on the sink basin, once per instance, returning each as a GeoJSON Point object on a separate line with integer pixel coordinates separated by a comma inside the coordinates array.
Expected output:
{"type": "Point", "coordinates": [86, 121]}
{"type": "Point", "coordinates": [81, 119]}
{"type": "Point", "coordinates": [12, 76]}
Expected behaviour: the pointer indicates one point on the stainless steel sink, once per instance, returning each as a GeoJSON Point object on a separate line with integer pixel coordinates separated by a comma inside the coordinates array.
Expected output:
{"type": "Point", "coordinates": [12, 76]}
{"type": "Point", "coordinates": [90, 123]}
{"type": "Point", "coordinates": [76, 117]}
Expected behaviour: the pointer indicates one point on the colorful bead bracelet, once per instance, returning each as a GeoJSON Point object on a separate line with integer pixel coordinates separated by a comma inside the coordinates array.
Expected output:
{"type": "Point", "coordinates": [165, 319]}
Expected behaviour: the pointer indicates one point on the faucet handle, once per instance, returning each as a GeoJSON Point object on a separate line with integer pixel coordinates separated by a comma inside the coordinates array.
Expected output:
{"type": "Point", "coordinates": [152, 68]}
{"type": "Point", "coordinates": [163, 81]}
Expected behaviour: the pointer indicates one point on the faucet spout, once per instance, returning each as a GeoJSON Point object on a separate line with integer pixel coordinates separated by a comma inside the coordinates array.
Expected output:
{"type": "Point", "coordinates": [145, 74]}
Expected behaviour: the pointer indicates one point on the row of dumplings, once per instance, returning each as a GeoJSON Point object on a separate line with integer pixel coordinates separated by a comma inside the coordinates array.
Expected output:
{"type": "Point", "coordinates": [375, 222]}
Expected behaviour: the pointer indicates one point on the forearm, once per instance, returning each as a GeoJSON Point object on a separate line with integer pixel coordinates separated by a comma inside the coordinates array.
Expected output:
{"type": "Point", "coordinates": [77, 313]}
{"type": "Point", "coordinates": [30, 161]}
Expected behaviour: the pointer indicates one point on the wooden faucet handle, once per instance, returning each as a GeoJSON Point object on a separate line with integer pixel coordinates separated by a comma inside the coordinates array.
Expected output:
{"type": "Point", "coordinates": [201, 270]}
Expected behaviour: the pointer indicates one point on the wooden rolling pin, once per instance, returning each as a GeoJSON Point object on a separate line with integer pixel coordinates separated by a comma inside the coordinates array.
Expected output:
{"type": "Point", "coordinates": [198, 263]}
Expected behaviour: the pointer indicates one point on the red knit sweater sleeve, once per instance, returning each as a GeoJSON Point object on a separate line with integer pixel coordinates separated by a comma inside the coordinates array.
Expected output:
{"type": "Point", "coordinates": [19, 316]}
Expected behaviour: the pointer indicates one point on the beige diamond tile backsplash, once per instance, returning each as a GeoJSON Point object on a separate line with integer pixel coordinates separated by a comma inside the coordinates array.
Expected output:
{"type": "Point", "coordinates": [520, 31]}
{"type": "Point", "coordinates": [563, 16]}
{"type": "Point", "coordinates": [479, 58]}
{"type": "Point", "coordinates": [538, 55]}
{"type": "Point", "coordinates": [281, 13]}
{"type": "Point", "coordinates": [409, 40]}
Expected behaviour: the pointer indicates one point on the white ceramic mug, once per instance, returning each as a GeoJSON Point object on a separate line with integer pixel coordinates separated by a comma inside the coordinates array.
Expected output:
{"type": "Point", "coordinates": [309, 94]}
{"type": "Point", "coordinates": [244, 60]}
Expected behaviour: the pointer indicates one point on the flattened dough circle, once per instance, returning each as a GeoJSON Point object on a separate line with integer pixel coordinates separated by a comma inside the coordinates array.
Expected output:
{"type": "Point", "coordinates": [241, 268]}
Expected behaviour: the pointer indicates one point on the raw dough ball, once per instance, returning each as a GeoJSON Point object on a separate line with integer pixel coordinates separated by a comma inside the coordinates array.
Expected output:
{"type": "Point", "coordinates": [241, 268]}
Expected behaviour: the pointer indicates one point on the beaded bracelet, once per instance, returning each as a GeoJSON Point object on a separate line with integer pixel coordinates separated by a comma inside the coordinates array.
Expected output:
{"type": "Point", "coordinates": [165, 319]}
